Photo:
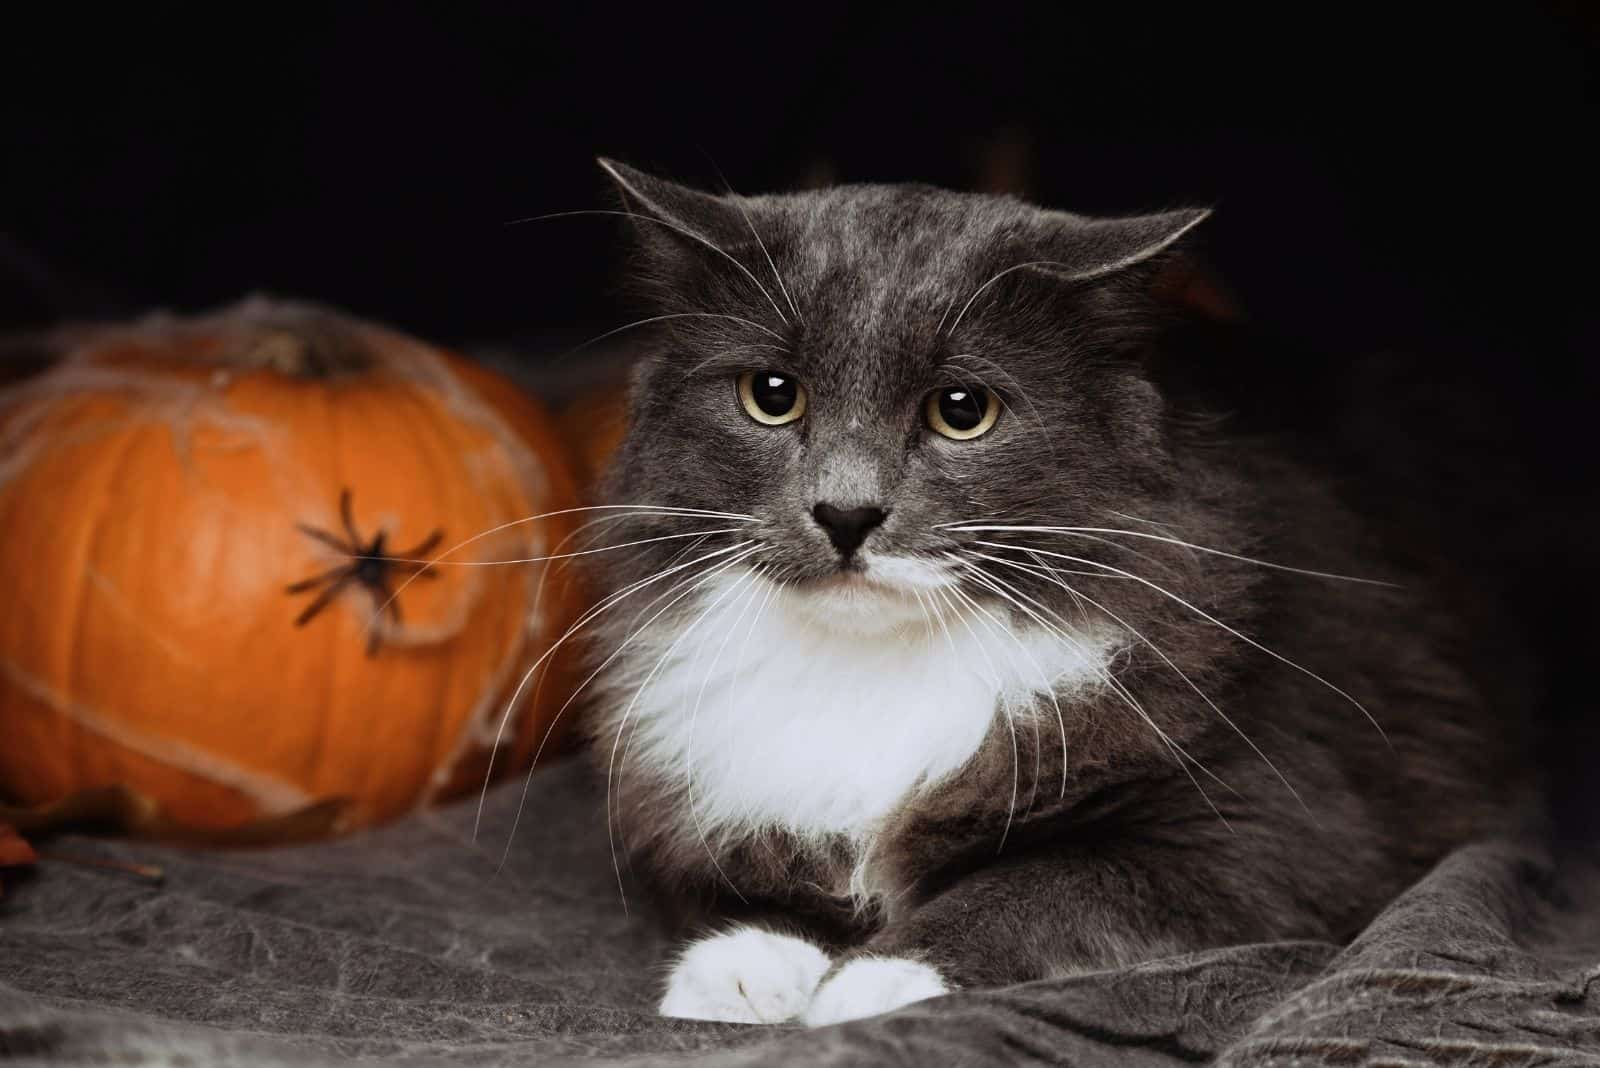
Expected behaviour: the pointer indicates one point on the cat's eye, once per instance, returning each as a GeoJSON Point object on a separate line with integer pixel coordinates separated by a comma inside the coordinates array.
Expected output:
{"type": "Point", "coordinates": [771, 397]}
{"type": "Point", "coordinates": [961, 412]}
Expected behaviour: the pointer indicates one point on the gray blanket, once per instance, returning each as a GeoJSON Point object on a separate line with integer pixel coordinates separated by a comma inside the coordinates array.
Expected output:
{"type": "Point", "coordinates": [407, 945]}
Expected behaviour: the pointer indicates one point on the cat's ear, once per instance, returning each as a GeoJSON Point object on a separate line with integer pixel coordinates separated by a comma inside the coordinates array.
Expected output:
{"type": "Point", "coordinates": [671, 213]}
{"type": "Point", "coordinates": [1082, 249]}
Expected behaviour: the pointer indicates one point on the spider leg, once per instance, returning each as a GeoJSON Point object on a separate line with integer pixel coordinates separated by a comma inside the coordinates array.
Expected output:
{"type": "Point", "coordinates": [325, 598]}
{"type": "Point", "coordinates": [327, 539]}
{"type": "Point", "coordinates": [426, 546]}
{"type": "Point", "coordinates": [415, 568]}
{"type": "Point", "coordinates": [347, 515]}
{"type": "Point", "coordinates": [390, 602]}
{"type": "Point", "coordinates": [385, 600]}
{"type": "Point", "coordinates": [316, 580]}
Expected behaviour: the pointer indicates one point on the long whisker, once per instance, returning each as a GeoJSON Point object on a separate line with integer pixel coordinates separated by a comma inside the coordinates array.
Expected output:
{"type": "Point", "coordinates": [1089, 532]}
{"type": "Point", "coordinates": [538, 598]}
{"type": "Point", "coordinates": [1016, 763]}
{"type": "Point", "coordinates": [632, 733]}
{"type": "Point", "coordinates": [697, 580]}
{"type": "Point", "coordinates": [1011, 593]}
{"type": "Point", "coordinates": [685, 231]}
{"type": "Point", "coordinates": [1066, 636]}
{"type": "Point", "coordinates": [738, 202]}
{"type": "Point", "coordinates": [638, 692]}
{"type": "Point", "coordinates": [1168, 661]}
{"type": "Point", "coordinates": [1080, 273]}
{"type": "Point", "coordinates": [1179, 753]}
{"type": "Point", "coordinates": [694, 716]}
{"type": "Point", "coordinates": [675, 315]}
{"type": "Point", "coordinates": [588, 616]}
{"type": "Point", "coordinates": [955, 658]}
{"type": "Point", "coordinates": [554, 556]}
{"type": "Point", "coordinates": [927, 617]}
{"type": "Point", "coordinates": [1139, 519]}
{"type": "Point", "coordinates": [1214, 621]}
{"type": "Point", "coordinates": [544, 573]}
{"type": "Point", "coordinates": [661, 511]}
{"type": "Point", "coordinates": [1048, 685]}
{"type": "Point", "coordinates": [634, 631]}
{"type": "Point", "coordinates": [1050, 690]}
{"type": "Point", "coordinates": [979, 291]}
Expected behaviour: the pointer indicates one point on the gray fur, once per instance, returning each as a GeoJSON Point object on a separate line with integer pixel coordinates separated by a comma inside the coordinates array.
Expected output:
{"type": "Point", "coordinates": [1132, 860]}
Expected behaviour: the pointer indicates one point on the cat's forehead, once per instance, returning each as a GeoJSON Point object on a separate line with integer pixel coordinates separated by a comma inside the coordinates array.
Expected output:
{"type": "Point", "coordinates": [884, 264]}
{"type": "Point", "coordinates": [889, 228]}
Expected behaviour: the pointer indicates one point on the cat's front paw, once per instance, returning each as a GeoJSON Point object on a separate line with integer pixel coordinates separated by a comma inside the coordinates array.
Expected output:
{"type": "Point", "coordinates": [869, 986]}
{"type": "Point", "coordinates": [745, 975]}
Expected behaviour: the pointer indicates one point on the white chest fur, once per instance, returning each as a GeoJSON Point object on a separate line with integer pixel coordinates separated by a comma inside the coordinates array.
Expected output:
{"type": "Point", "coordinates": [775, 714]}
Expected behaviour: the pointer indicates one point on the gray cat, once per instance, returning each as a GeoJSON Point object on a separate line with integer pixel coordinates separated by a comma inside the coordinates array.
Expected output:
{"type": "Point", "coordinates": [944, 649]}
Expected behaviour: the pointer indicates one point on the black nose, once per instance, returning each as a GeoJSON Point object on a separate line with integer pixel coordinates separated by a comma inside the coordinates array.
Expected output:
{"type": "Point", "coordinates": [847, 527]}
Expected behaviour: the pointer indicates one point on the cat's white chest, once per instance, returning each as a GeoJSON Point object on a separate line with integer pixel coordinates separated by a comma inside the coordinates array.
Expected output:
{"type": "Point", "coordinates": [770, 717]}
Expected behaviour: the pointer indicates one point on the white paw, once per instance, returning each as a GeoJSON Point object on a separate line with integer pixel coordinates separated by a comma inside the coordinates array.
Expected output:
{"type": "Point", "coordinates": [873, 985]}
{"type": "Point", "coordinates": [745, 975]}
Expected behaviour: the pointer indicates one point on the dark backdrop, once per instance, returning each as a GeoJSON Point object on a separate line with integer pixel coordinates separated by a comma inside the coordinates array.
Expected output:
{"type": "Point", "coordinates": [1409, 179]}
{"type": "Point", "coordinates": [1414, 181]}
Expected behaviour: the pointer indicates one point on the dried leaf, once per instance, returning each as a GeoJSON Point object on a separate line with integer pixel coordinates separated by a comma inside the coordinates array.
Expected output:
{"type": "Point", "coordinates": [119, 810]}
{"type": "Point", "coordinates": [15, 852]}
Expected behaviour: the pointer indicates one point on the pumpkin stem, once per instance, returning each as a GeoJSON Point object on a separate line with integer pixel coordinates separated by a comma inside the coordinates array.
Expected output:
{"type": "Point", "coordinates": [304, 341]}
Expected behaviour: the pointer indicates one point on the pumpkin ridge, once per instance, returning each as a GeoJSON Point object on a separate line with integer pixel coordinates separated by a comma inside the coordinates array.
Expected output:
{"type": "Point", "coordinates": [120, 606]}
{"type": "Point", "coordinates": [469, 735]}
{"type": "Point", "coordinates": [275, 796]}
{"type": "Point", "coordinates": [86, 551]}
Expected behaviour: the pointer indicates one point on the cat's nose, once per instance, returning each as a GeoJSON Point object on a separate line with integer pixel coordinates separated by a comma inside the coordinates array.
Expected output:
{"type": "Point", "coordinates": [847, 527]}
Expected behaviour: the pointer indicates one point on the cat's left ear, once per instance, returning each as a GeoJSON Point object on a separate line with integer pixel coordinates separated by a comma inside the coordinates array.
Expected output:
{"type": "Point", "coordinates": [1079, 249]}
{"type": "Point", "coordinates": [675, 213]}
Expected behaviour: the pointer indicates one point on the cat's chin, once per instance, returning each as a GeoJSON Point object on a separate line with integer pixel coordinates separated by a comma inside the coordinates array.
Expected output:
{"type": "Point", "coordinates": [883, 594]}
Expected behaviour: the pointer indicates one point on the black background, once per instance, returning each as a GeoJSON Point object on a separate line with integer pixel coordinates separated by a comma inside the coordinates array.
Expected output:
{"type": "Point", "coordinates": [1382, 179]}
{"type": "Point", "coordinates": [1415, 181]}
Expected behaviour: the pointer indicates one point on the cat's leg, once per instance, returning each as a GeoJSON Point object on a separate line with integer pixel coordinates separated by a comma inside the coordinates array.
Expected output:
{"type": "Point", "coordinates": [746, 974]}
{"type": "Point", "coordinates": [1025, 919]}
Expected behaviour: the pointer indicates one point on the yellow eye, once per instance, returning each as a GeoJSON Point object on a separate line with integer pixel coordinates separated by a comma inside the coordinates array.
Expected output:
{"type": "Point", "coordinates": [771, 397]}
{"type": "Point", "coordinates": [961, 412]}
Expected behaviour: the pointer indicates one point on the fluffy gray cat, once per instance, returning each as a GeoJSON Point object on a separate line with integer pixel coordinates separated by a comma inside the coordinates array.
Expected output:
{"type": "Point", "coordinates": [964, 654]}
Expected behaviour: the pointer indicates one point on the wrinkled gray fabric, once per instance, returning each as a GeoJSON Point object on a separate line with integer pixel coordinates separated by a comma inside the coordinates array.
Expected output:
{"type": "Point", "coordinates": [406, 945]}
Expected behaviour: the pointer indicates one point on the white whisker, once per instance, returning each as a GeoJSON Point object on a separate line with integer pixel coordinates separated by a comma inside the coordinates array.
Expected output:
{"type": "Point", "coordinates": [664, 318]}
{"type": "Point", "coordinates": [979, 291]}
{"type": "Point", "coordinates": [1210, 619]}
{"type": "Point", "coordinates": [583, 620]}
{"type": "Point", "coordinates": [738, 202]}
{"type": "Point", "coordinates": [555, 556]}
{"type": "Point", "coordinates": [633, 630]}
{"type": "Point", "coordinates": [1179, 753]}
{"type": "Point", "coordinates": [685, 231]}
{"type": "Point", "coordinates": [1016, 762]}
{"type": "Point", "coordinates": [694, 715]}
{"type": "Point", "coordinates": [627, 712]}
{"type": "Point", "coordinates": [1090, 532]}
{"type": "Point", "coordinates": [1048, 686]}
{"type": "Point", "coordinates": [1168, 661]}
{"type": "Point", "coordinates": [662, 511]}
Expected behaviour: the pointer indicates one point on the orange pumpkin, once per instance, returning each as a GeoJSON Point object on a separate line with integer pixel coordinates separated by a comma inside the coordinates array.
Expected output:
{"type": "Point", "coordinates": [213, 530]}
{"type": "Point", "coordinates": [595, 423]}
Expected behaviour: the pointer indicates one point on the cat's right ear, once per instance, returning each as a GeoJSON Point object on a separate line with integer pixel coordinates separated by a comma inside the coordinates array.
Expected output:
{"type": "Point", "coordinates": [669, 215]}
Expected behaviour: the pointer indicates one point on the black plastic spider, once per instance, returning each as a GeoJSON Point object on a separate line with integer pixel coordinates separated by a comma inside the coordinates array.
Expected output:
{"type": "Point", "coordinates": [369, 566]}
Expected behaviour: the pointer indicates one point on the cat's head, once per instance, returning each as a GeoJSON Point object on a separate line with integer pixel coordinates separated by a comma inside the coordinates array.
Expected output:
{"type": "Point", "coordinates": [858, 370]}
